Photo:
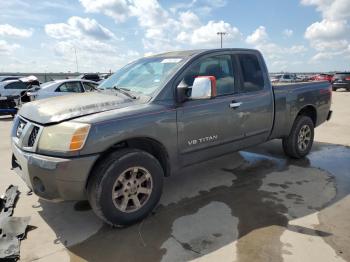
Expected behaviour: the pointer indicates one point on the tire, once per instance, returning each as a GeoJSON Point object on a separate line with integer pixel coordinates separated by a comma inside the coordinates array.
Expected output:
{"type": "Point", "coordinates": [334, 89]}
{"type": "Point", "coordinates": [110, 176]}
{"type": "Point", "coordinates": [290, 144]}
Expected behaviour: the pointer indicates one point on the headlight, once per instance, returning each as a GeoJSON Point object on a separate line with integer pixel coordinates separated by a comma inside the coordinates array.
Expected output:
{"type": "Point", "coordinates": [64, 137]}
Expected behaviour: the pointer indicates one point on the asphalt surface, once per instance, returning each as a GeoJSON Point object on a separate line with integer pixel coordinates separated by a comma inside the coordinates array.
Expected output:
{"type": "Point", "coordinates": [253, 205]}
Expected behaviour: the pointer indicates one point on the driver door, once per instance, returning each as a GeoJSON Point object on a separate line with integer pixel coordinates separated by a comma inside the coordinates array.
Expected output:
{"type": "Point", "coordinates": [208, 127]}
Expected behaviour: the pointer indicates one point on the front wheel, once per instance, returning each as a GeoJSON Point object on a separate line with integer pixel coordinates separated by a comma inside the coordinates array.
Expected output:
{"type": "Point", "coordinates": [299, 142]}
{"type": "Point", "coordinates": [125, 187]}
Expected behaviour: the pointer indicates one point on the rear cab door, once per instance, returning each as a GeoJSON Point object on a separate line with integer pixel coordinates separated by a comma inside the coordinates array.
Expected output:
{"type": "Point", "coordinates": [254, 99]}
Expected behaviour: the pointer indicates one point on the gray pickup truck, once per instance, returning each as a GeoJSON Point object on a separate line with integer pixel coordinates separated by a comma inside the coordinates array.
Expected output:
{"type": "Point", "coordinates": [153, 118]}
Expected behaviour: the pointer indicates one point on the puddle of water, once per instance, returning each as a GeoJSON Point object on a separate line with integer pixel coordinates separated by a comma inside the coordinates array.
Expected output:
{"type": "Point", "coordinates": [257, 195]}
{"type": "Point", "coordinates": [335, 160]}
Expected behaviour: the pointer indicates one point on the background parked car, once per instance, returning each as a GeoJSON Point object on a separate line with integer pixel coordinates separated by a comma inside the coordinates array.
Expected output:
{"type": "Point", "coordinates": [341, 80]}
{"type": "Point", "coordinates": [92, 77]}
{"type": "Point", "coordinates": [19, 87]}
{"type": "Point", "coordinates": [288, 78]}
{"type": "Point", "coordinates": [63, 87]}
{"type": "Point", "coordinates": [323, 77]}
{"type": "Point", "coordinates": [5, 78]}
{"type": "Point", "coordinates": [105, 76]}
{"type": "Point", "coordinates": [8, 105]}
{"type": "Point", "coordinates": [303, 78]}
{"type": "Point", "coordinates": [275, 78]}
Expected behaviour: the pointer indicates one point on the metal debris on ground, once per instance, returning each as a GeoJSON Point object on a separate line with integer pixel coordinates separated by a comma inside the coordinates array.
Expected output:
{"type": "Point", "coordinates": [12, 229]}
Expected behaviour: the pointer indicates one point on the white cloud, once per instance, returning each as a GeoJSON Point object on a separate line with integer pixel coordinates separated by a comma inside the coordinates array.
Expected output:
{"type": "Point", "coordinates": [78, 27]}
{"type": "Point", "coordinates": [322, 56]}
{"type": "Point", "coordinates": [207, 34]}
{"type": "Point", "coordinates": [12, 31]}
{"type": "Point", "coordinates": [201, 7]}
{"type": "Point", "coordinates": [149, 13]}
{"type": "Point", "coordinates": [287, 32]}
{"type": "Point", "coordinates": [117, 9]}
{"type": "Point", "coordinates": [330, 37]}
{"type": "Point", "coordinates": [327, 29]}
{"type": "Point", "coordinates": [6, 48]}
{"type": "Point", "coordinates": [189, 20]}
{"type": "Point", "coordinates": [93, 55]}
{"type": "Point", "coordinates": [160, 26]}
{"type": "Point", "coordinates": [331, 9]}
{"type": "Point", "coordinates": [258, 36]}
{"type": "Point", "coordinates": [96, 46]}
{"type": "Point", "coordinates": [183, 5]}
{"type": "Point", "coordinates": [276, 55]}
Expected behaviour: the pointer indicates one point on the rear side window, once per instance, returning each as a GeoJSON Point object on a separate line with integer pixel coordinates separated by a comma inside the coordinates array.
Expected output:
{"type": "Point", "coordinates": [16, 85]}
{"type": "Point", "coordinates": [252, 74]}
{"type": "Point", "coordinates": [71, 87]}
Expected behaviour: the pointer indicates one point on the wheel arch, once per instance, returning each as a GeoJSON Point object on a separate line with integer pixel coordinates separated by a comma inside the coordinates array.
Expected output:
{"type": "Point", "coordinates": [147, 144]}
{"type": "Point", "coordinates": [310, 111]}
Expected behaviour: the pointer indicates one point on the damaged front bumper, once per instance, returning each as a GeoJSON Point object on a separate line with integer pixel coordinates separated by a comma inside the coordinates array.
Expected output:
{"type": "Point", "coordinates": [53, 178]}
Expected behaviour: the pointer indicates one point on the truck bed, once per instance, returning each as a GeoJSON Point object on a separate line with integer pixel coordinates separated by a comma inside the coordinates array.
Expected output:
{"type": "Point", "coordinates": [290, 98]}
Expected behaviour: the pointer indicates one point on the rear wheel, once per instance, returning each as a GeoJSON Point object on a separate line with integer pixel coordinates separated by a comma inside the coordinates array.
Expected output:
{"type": "Point", "coordinates": [125, 187]}
{"type": "Point", "coordinates": [334, 88]}
{"type": "Point", "coordinates": [299, 142]}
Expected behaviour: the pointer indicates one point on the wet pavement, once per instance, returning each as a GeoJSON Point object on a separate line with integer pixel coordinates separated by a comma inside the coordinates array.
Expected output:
{"type": "Point", "coordinates": [254, 205]}
{"type": "Point", "coordinates": [245, 217]}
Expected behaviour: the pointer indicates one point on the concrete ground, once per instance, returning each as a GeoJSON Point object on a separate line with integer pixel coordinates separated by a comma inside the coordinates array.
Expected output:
{"type": "Point", "coordinates": [254, 205]}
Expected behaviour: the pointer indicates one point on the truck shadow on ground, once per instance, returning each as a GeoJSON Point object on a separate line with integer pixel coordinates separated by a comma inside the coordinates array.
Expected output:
{"type": "Point", "coordinates": [239, 204]}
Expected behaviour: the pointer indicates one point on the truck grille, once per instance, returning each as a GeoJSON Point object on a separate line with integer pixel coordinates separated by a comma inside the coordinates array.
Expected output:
{"type": "Point", "coordinates": [33, 135]}
{"type": "Point", "coordinates": [25, 134]}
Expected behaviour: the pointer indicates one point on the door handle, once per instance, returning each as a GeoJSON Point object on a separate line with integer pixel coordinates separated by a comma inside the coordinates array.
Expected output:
{"type": "Point", "coordinates": [235, 104]}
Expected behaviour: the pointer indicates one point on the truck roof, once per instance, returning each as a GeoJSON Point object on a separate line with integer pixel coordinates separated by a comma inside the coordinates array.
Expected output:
{"type": "Point", "coordinates": [188, 53]}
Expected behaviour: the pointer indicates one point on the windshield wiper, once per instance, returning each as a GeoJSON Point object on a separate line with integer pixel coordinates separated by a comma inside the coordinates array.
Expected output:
{"type": "Point", "coordinates": [124, 91]}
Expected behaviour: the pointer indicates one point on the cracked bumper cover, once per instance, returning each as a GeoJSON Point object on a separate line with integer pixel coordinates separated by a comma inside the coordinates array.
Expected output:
{"type": "Point", "coordinates": [53, 178]}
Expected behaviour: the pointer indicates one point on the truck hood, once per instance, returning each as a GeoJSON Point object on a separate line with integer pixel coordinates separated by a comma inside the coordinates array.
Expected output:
{"type": "Point", "coordinates": [57, 109]}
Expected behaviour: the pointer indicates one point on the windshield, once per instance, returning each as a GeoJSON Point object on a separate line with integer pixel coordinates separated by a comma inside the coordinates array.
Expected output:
{"type": "Point", "coordinates": [144, 76]}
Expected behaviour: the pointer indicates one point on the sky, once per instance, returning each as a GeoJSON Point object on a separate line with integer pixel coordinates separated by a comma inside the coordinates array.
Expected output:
{"type": "Point", "coordinates": [293, 35]}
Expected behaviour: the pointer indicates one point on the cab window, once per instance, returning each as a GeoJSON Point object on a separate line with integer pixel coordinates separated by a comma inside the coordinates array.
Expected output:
{"type": "Point", "coordinates": [252, 74]}
{"type": "Point", "coordinates": [219, 66]}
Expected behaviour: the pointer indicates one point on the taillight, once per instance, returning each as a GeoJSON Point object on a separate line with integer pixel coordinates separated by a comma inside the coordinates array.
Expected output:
{"type": "Point", "coordinates": [347, 78]}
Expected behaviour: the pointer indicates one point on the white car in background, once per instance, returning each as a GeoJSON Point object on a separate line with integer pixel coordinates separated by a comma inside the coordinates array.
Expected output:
{"type": "Point", "coordinates": [63, 87]}
{"type": "Point", "coordinates": [12, 88]}
{"type": "Point", "coordinates": [18, 88]}
{"type": "Point", "coordinates": [288, 78]}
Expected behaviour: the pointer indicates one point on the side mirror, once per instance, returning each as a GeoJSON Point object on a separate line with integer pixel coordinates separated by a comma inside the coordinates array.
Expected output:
{"type": "Point", "coordinates": [204, 87]}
